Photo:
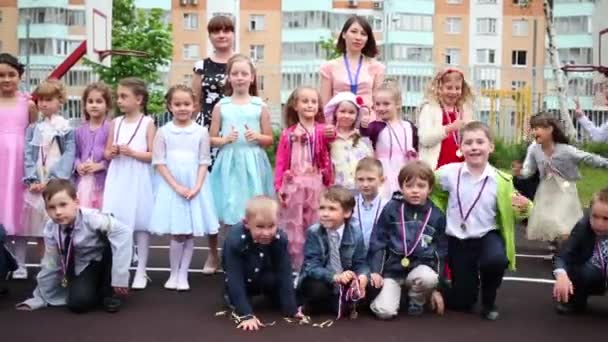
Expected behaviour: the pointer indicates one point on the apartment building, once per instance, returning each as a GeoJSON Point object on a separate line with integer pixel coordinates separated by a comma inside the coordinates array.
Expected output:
{"type": "Point", "coordinates": [8, 22]}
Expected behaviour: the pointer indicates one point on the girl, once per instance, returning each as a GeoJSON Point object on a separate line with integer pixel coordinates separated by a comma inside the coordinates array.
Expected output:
{"type": "Point", "coordinates": [16, 112]}
{"type": "Point", "coordinates": [303, 167]}
{"type": "Point", "coordinates": [242, 169]}
{"type": "Point", "coordinates": [91, 138]}
{"type": "Point", "coordinates": [447, 108]}
{"type": "Point", "coordinates": [557, 207]}
{"type": "Point", "coordinates": [395, 141]}
{"type": "Point", "coordinates": [356, 70]}
{"type": "Point", "coordinates": [182, 206]}
{"type": "Point", "coordinates": [348, 148]}
{"type": "Point", "coordinates": [50, 150]}
{"type": "Point", "coordinates": [128, 192]}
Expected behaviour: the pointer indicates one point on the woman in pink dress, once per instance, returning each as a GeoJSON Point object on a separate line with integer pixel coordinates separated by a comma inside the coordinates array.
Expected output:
{"type": "Point", "coordinates": [16, 112]}
{"type": "Point", "coordinates": [356, 70]}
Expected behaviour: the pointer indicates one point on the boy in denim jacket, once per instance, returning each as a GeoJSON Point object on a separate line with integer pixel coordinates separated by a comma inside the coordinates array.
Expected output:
{"type": "Point", "coordinates": [408, 245]}
{"type": "Point", "coordinates": [334, 257]}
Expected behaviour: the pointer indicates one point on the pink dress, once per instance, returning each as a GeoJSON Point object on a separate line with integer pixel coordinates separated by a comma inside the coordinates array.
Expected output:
{"type": "Point", "coordinates": [12, 139]}
{"type": "Point", "coordinates": [301, 182]}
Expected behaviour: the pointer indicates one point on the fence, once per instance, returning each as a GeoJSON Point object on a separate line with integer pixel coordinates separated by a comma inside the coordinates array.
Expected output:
{"type": "Point", "coordinates": [506, 96]}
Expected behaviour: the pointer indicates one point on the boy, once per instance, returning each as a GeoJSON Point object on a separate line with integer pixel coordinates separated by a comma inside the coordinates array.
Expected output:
{"type": "Point", "coordinates": [369, 178]}
{"type": "Point", "coordinates": [581, 266]}
{"type": "Point", "coordinates": [7, 261]}
{"type": "Point", "coordinates": [408, 246]}
{"type": "Point", "coordinates": [334, 257]}
{"type": "Point", "coordinates": [480, 229]}
{"type": "Point", "coordinates": [87, 255]}
{"type": "Point", "coordinates": [256, 262]}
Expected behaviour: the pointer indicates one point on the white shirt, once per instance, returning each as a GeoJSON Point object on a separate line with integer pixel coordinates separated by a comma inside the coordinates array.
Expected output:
{"type": "Point", "coordinates": [365, 215]}
{"type": "Point", "coordinates": [483, 216]}
{"type": "Point", "coordinates": [599, 134]}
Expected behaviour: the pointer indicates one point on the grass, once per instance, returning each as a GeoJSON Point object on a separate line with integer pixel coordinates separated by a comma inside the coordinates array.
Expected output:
{"type": "Point", "coordinates": [593, 180]}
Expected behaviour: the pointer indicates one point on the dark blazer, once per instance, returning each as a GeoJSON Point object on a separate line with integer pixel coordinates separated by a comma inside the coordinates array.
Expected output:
{"type": "Point", "coordinates": [578, 249]}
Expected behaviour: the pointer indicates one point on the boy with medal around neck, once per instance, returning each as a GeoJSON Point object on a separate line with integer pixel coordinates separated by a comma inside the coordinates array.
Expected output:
{"type": "Point", "coordinates": [481, 207]}
{"type": "Point", "coordinates": [408, 245]}
{"type": "Point", "coordinates": [87, 255]}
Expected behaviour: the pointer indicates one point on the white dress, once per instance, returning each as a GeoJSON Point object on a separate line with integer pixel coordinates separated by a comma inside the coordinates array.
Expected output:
{"type": "Point", "coordinates": [182, 150]}
{"type": "Point", "coordinates": [128, 192]}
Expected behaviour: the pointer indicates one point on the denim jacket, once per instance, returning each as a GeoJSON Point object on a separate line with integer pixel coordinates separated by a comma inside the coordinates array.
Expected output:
{"type": "Point", "coordinates": [386, 243]}
{"type": "Point", "coordinates": [316, 253]}
{"type": "Point", "coordinates": [62, 169]}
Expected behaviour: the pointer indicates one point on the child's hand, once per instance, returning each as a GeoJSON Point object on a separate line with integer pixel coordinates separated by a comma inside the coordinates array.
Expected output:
{"type": "Point", "coordinates": [114, 151]}
{"type": "Point", "coordinates": [578, 112]}
{"type": "Point", "coordinates": [121, 291]}
{"type": "Point", "coordinates": [81, 169]}
{"type": "Point", "coordinates": [519, 202]}
{"type": "Point", "coordinates": [365, 117]}
{"type": "Point", "coordinates": [455, 126]}
{"type": "Point", "coordinates": [182, 191]}
{"type": "Point", "coordinates": [250, 324]}
{"type": "Point", "coordinates": [377, 280]}
{"type": "Point", "coordinates": [94, 167]}
{"type": "Point", "coordinates": [329, 131]}
{"type": "Point", "coordinates": [23, 307]}
{"type": "Point", "coordinates": [33, 187]}
{"type": "Point", "coordinates": [250, 135]}
{"type": "Point", "coordinates": [232, 137]}
{"type": "Point", "coordinates": [125, 150]}
{"type": "Point", "coordinates": [362, 284]}
{"type": "Point", "coordinates": [282, 199]}
{"type": "Point", "coordinates": [437, 303]}
{"type": "Point", "coordinates": [192, 193]}
{"type": "Point", "coordinates": [563, 288]}
{"type": "Point", "coordinates": [344, 277]}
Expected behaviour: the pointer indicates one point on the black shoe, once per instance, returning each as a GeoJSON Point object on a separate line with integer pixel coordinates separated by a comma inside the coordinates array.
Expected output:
{"type": "Point", "coordinates": [112, 304]}
{"type": "Point", "coordinates": [491, 314]}
{"type": "Point", "coordinates": [3, 291]}
{"type": "Point", "coordinates": [569, 308]}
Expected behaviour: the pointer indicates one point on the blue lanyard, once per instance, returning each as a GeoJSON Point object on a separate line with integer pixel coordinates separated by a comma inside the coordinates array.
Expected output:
{"type": "Point", "coordinates": [353, 84]}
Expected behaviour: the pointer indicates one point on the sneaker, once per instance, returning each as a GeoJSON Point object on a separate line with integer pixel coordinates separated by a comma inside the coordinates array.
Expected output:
{"type": "Point", "coordinates": [569, 308]}
{"type": "Point", "coordinates": [182, 283]}
{"type": "Point", "coordinates": [112, 304]}
{"type": "Point", "coordinates": [415, 309]}
{"type": "Point", "coordinates": [491, 314]}
{"type": "Point", "coordinates": [140, 282]}
{"type": "Point", "coordinates": [171, 283]}
{"type": "Point", "coordinates": [20, 273]}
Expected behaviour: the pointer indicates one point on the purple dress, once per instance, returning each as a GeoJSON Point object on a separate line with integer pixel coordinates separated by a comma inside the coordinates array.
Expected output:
{"type": "Point", "coordinates": [90, 145]}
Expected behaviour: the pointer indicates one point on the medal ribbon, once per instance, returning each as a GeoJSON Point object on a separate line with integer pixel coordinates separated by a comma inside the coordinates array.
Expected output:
{"type": "Point", "coordinates": [419, 234]}
{"type": "Point", "coordinates": [141, 118]}
{"type": "Point", "coordinates": [603, 266]}
{"type": "Point", "coordinates": [311, 143]}
{"type": "Point", "coordinates": [462, 216]}
{"type": "Point", "coordinates": [353, 84]}
{"type": "Point", "coordinates": [455, 134]}
{"type": "Point", "coordinates": [64, 260]}
{"type": "Point", "coordinates": [349, 293]}
{"type": "Point", "coordinates": [390, 139]}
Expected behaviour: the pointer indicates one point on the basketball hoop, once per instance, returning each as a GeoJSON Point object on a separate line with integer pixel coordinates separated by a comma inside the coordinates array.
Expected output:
{"type": "Point", "coordinates": [586, 68]}
{"type": "Point", "coordinates": [121, 52]}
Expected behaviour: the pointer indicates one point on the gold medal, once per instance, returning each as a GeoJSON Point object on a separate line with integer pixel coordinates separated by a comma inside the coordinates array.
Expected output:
{"type": "Point", "coordinates": [458, 153]}
{"type": "Point", "coordinates": [64, 282]}
{"type": "Point", "coordinates": [566, 184]}
{"type": "Point", "coordinates": [463, 226]}
{"type": "Point", "coordinates": [405, 262]}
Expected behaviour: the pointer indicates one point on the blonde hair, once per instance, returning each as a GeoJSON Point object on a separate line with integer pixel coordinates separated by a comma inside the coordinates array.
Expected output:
{"type": "Point", "coordinates": [391, 86]}
{"type": "Point", "coordinates": [52, 88]}
{"type": "Point", "coordinates": [261, 205]}
{"type": "Point", "coordinates": [253, 88]}
{"type": "Point", "coordinates": [290, 115]}
{"type": "Point", "coordinates": [433, 91]}
{"type": "Point", "coordinates": [370, 164]}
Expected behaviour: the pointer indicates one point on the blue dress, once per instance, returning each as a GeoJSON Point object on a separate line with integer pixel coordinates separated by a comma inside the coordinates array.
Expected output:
{"type": "Point", "coordinates": [242, 169]}
{"type": "Point", "coordinates": [182, 150]}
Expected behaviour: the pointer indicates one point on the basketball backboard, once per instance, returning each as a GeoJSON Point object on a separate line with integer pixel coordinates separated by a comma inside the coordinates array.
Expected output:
{"type": "Point", "coordinates": [98, 21]}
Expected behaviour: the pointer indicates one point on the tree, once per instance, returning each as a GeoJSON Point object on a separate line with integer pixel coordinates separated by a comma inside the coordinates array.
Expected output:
{"type": "Point", "coordinates": [329, 46]}
{"type": "Point", "coordinates": [141, 30]}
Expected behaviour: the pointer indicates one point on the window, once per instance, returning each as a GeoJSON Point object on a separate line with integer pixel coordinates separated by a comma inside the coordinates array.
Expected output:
{"type": "Point", "coordinates": [260, 82]}
{"type": "Point", "coordinates": [187, 79]}
{"type": "Point", "coordinates": [486, 26]}
{"type": "Point", "coordinates": [37, 46]}
{"type": "Point", "coordinates": [76, 18]}
{"type": "Point", "coordinates": [516, 85]}
{"type": "Point", "coordinates": [256, 52]}
{"type": "Point", "coordinates": [0, 16]}
{"type": "Point", "coordinates": [411, 22]}
{"type": "Point", "coordinates": [486, 56]}
{"type": "Point", "coordinates": [412, 53]}
{"type": "Point", "coordinates": [191, 51]}
{"type": "Point", "coordinates": [575, 55]}
{"type": "Point", "coordinates": [486, 1]}
{"type": "Point", "coordinates": [521, 2]}
{"type": "Point", "coordinates": [256, 22]}
{"type": "Point", "coordinates": [520, 28]}
{"type": "Point", "coordinates": [518, 57]}
{"type": "Point", "coordinates": [454, 2]}
{"type": "Point", "coordinates": [290, 81]}
{"type": "Point", "coordinates": [309, 19]}
{"type": "Point", "coordinates": [487, 84]}
{"type": "Point", "coordinates": [190, 21]}
{"type": "Point", "coordinates": [300, 51]}
{"type": "Point", "coordinates": [572, 25]}
{"type": "Point", "coordinates": [453, 25]}
{"type": "Point", "coordinates": [78, 78]}
{"type": "Point", "coordinates": [452, 56]}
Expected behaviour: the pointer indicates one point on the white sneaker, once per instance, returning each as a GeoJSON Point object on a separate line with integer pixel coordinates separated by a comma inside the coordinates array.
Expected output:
{"type": "Point", "coordinates": [171, 283]}
{"type": "Point", "coordinates": [20, 273]}
{"type": "Point", "coordinates": [182, 283]}
{"type": "Point", "coordinates": [140, 282]}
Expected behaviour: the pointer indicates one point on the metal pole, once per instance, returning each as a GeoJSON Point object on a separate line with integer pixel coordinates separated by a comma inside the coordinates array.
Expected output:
{"type": "Point", "coordinates": [28, 22]}
{"type": "Point", "coordinates": [534, 65]}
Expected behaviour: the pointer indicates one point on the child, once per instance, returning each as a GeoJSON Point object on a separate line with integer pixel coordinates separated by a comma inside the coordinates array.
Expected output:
{"type": "Point", "coordinates": [256, 251]}
{"type": "Point", "coordinates": [129, 148]}
{"type": "Point", "coordinates": [91, 138]}
{"type": "Point", "coordinates": [7, 261]}
{"type": "Point", "coordinates": [447, 108]}
{"type": "Point", "coordinates": [50, 150]}
{"type": "Point", "coordinates": [16, 112]}
{"type": "Point", "coordinates": [581, 266]}
{"type": "Point", "coordinates": [395, 141]}
{"type": "Point", "coordinates": [480, 205]}
{"type": "Point", "coordinates": [525, 186]}
{"type": "Point", "coordinates": [334, 257]}
{"type": "Point", "coordinates": [408, 246]}
{"type": "Point", "coordinates": [369, 177]}
{"type": "Point", "coordinates": [303, 167]}
{"type": "Point", "coordinates": [598, 134]}
{"type": "Point", "coordinates": [348, 148]}
{"type": "Point", "coordinates": [183, 206]}
{"type": "Point", "coordinates": [557, 206]}
{"type": "Point", "coordinates": [240, 128]}
{"type": "Point", "coordinates": [87, 253]}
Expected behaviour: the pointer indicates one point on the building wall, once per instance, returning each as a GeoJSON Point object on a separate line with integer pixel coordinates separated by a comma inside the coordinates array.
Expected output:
{"type": "Point", "coordinates": [181, 68]}
{"type": "Point", "coordinates": [8, 21]}
{"type": "Point", "coordinates": [444, 40]}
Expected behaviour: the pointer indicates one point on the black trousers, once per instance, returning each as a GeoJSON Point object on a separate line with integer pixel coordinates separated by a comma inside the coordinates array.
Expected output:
{"type": "Point", "coordinates": [266, 285]}
{"type": "Point", "coordinates": [318, 296]}
{"type": "Point", "coordinates": [87, 290]}
{"type": "Point", "coordinates": [475, 261]}
{"type": "Point", "coordinates": [587, 280]}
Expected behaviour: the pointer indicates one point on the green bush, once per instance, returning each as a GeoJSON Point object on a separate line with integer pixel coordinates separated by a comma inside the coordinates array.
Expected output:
{"type": "Point", "coordinates": [272, 150]}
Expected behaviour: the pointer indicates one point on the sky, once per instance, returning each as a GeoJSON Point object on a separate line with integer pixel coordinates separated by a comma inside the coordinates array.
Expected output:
{"type": "Point", "coordinates": [164, 4]}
